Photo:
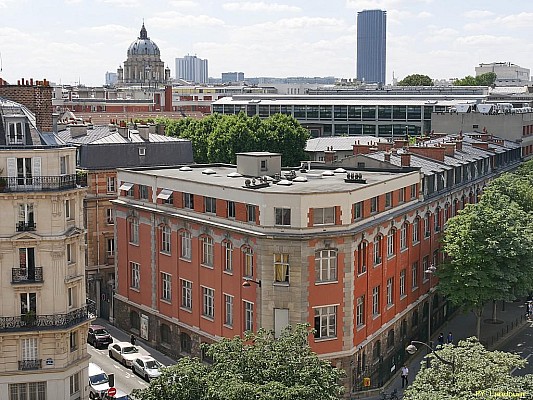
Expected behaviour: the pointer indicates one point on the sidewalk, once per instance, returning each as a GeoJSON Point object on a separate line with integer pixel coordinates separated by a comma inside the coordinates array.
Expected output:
{"type": "Point", "coordinates": [125, 337]}
{"type": "Point", "coordinates": [462, 326]}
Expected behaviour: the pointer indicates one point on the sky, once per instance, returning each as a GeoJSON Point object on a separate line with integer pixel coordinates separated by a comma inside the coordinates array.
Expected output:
{"type": "Point", "coordinates": [78, 41]}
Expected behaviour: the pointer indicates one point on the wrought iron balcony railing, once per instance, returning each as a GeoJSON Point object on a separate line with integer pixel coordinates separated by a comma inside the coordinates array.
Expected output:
{"type": "Point", "coordinates": [25, 365]}
{"type": "Point", "coordinates": [25, 226]}
{"type": "Point", "coordinates": [38, 183]}
{"type": "Point", "coordinates": [27, 275]}
{"type": "Point", "coordinates": [31, 321]}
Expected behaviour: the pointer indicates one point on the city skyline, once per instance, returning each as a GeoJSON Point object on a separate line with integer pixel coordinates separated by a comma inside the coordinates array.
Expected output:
{"type": "Point", "coordinates": [75, 41]}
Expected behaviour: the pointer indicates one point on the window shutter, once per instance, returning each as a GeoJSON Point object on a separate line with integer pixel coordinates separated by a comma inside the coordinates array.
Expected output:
{"type": "Point", "coordinates": [12, 167]}
{"type": "Point", "coordinates": [36, 166]}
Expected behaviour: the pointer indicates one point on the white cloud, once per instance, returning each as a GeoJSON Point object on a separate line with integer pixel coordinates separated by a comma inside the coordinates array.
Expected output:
{"type": "Point", "coordinates": [5, 3]}
{"type": "Point", "coordinates": [122, 3]}
{"type": "Point", "coordinates": [175, 19]}
{"type": "Point", "coordinates": [475, 14]}
{"type": "Point", "coordinates": [484, 40]}
{"type": "Point", "coordinates": [522, 20]}
{"type": "Point", "coordinates": [259, 7]}
{"type": "Point", "coordinates": [183, 3]}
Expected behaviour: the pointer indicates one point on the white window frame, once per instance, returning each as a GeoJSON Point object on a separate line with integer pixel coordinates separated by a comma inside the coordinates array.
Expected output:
{"type": "Point", "coordinates": [390, 292]}
{"type": "Point", "coordinates": [416, 231]}
{"type": "Point", "coordinates": [188, 201]}
{"type": "Point", "coordinates": [248, 316]}
{"type": "Point", "coordinates": [358, 210]}
{"type": "Point", "coordinates": [186, 245]}
{"type": "Point", "coordinates": [186, 294]}
{"type": "Point", "coordinates": [210, 205]}
{"type": "Point", "coordinates": [375, 301]}
{"type": "Point", "coordinates": [110, 244]}
{"type": "Point", "coordinates": [110, 216]}
{"type": "Point", "coordinates": [230, 209]}
{"type": "Point", "coordinates": [68, 209]}
{"type": "Point", "coordinates": [166, 287]}
{"type": "Point", "coordinates": [325, 322]}
{"type": "Point", "coordinates": [326, 265]}
{"type": "Point", "coordinates": [402, 282]}
{"type": "Point", "coordinates": [250, 213]}
{"type": "Point", "coordinates": [282, 216]}
{"type": "Point", "coordinates": [207, 251]}
{"type": "Point", "coordinates": [324, 216]}
{"type": "Point", "coordinates": [208, 302]}
{"type": "Point", "coordinates": [134, 230]}
{"type": "Point", "coordinates": [378, 243]}
{"type": "Point", "coordinates": [228, 310]}
{"type": "Point", "coordinates": [166, 235]}
{"type": "Point", "coordinates": [414, 275]}
{"type": "Point", "coordinates": [390, 243]}
{"type": "Point", "coordinates": [281, 268]}
{"type": "Point", "coordinates": [135, 275]}
{"type": "Point", "coordinates": [403, 236]}
{"type": "Point", "coordinates": [111, 184]}
{"type": "Point", "coordinates": [75, 385]}
{"type": "Point", "coordinates": [360, 311]}
{"type": "Point", "coordinates": [227, 246]}
{"type": "Point", "coordinates": [248, 254]}
{"type": "Point", "coordinates": [374, 205]}
{"type": "Point", "coordinates": [17, 134]}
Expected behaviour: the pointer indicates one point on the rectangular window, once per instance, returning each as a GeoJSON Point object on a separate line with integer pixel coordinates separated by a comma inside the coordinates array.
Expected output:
{"type": "Point", "coordinates": [326, 322]}
{"type": "Point", "coordinates": [207, 251]}
{"type": "Point", "coordinates": [263, 165]}
{"type": "Point", "coordinates": [16, 133]}
{"type": "Point", "coordinates": [414, 275]}
{"type": "Point", "coordinates": [416, 233]}
{"type": "Point", "coordinates": [134, 231]}
{"type": "Point", "coordinates": [390, 291]}
{"type": "Point", "coordinates": [228, 256]}
{"type": "Point", "coordinates": [283, 216]}
{"type": "Point", "coordinates": [135, 275]}
{"type": "Point", "coordinates": [413, 191]}
{"type": "Point", "coordinates": [74, 383]}
{"type": "Point", "coordinates": [390, 244]}
{"type": "Point", "coordinates": [248, 262]}
{"type": "Point", "coordinates": [208, 296]}
{"type": "Point", "coordinates": [228, 310]}
{"type": "Point", "coordinates": [248, 316]}
{"type": "Point", "coordinates": [388, 200]}
{"type": "Point", "coordinates": [110, 247]}
{"type": "Point", "coordinates": [29, 349]}
{"type": "Point", "coordinates": [166, 235]}
{"type": "Point", "coordinates": [427, 232]}
{"type": "Point", "coordinates": [358, 210]}
{"type": "Point", "coordinates": [326, 266]}
{"type": "Point", "coordinates": [68, 210]}
{"type": "Point", "coordinates": [250, 213]}
{"type": "Point", "coordinates": [186, 294]}
{"type": "Point", "coordinates": [425, 266]}
{"type": "Point", "coordinates": [186, 245]}
{"type": "Point", "coordinates": [436, 220]}
{"type": "Point", "coordinates": [281, 268]}
{"type": "Point", "coordinates": [402, 282]}
{"type": "Point", "coordinates": [210, 205]}
{"type": "Point", "coordinates": [63, 165]}
{"type": "Point", "coordinates": [360, 311]}
{"type": "Point", "coordinates": [70, 255]}
{"type": "Point", "coordinates": [324, 216]}
{"type": "Point", "coordinates": [28, 303]}
{"type": "Point", "coordinates": [188, 201]}
{"type": "Point", "coordinates": [401, 198]}
{"type": "Point", "coordinates": [26, 219]}
{"type": "Point", "coordinates": [110, 216]}
{"type": "Point", "coordinates": [375, 301]}
{"type": "Point", "coordinates": [25, 391]}
{"type": "Point", "coordinates": [403, 237]}
{"type": "Point", "coordinates": [374, 204]}
{"type": "Point", "coordinates": [143, 192]}
{"type": "Point", "coordinates": [73, 341]}
{"type": "Point", "coordinates": [166, 286]}
{"type": "Point", "coordinates": [111, 184]}
{"type": "Point", "coordinates": [231, 209]}
{"type": "Point", "coordinates": [70, 297]}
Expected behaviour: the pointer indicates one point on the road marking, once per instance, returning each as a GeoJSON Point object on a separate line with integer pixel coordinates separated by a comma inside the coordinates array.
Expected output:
{"type": "Point", "coordinates": [515, 368]}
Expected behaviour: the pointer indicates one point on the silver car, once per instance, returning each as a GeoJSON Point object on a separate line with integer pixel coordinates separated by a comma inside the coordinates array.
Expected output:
{"type": "Point", "coordinates": [124, 352]}
{"type": "Point", "coordinates": [147, 367]}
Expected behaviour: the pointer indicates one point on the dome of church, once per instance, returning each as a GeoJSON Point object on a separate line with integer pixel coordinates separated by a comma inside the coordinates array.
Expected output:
{"type": "Point", "coordinates": [143, 45]}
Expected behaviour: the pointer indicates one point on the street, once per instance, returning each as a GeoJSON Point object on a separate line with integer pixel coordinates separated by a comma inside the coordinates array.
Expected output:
{"type": "Point", "coordinates": [522, 344]}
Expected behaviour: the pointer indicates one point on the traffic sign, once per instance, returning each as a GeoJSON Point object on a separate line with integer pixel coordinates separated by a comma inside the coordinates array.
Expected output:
{"type": "Point", "coordinates": [112, 391]}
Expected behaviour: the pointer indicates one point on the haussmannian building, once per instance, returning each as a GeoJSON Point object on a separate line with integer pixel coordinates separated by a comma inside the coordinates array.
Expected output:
{"type": "Point", "coordinates": [43, 312]}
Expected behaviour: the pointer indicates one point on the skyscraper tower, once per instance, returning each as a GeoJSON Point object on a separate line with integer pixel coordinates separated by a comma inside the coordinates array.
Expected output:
{"type": "Point", "coordinates": [371, 46]}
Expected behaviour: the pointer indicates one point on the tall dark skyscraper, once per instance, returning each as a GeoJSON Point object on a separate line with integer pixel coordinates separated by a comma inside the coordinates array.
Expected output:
{"type": "Point", "coordinates": [371, 46]}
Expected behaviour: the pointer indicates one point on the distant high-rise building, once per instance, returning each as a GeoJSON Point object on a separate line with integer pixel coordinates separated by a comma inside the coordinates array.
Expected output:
{"type": "Point", "coordinates": [232, 77]}
{"type": "Point", "coordinates": [371, 46]}
{"type": "Point", "coordinates": [192, 69]}
{"type": "Point", "coordinates": [111, 78]}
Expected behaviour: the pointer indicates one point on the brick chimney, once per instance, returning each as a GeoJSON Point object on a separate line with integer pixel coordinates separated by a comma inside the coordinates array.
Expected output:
{"type": "Point", "coordinates": [36, 96]}
{"type": "Point", "coordinates": [400, 143]}
{"type": "Point", "coordinates": [361, 148]}
{"type": "Point", "coordinates": [433, 152]}
{"type": "Point", "coordinates": [406, 159]}
{"type": "Point", "coordinates": [384, 146]}
{"type": "Point", "coordinates": [459, 145]}
{"type": "Point", "coordinates": [386, 157]}
{"type": "Point", "coordinates": [450, 148]}
{"type": "Point", "coordinates": [329, 155]}
{"type": "Point", "coordinates": [481, 145]}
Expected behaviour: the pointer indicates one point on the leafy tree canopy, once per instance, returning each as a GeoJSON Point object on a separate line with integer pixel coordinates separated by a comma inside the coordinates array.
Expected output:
{"type": "Point", "coordinates": [256, 367]}
{"type": "Point", "coordinates": [416, 80]}
{"type": "Point", "coordinates": [477, 374]}
{"type": "Point", "coordinates": [217, 138]}
{"type": "Point", "coordinates": [486, 79]}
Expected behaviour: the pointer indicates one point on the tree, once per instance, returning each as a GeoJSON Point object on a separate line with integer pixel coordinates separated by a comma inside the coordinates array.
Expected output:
{"type": "Point", "coordinates": [218, 138]}
{"type": "Point", "coordinates": [468, 80]}
{"type": "Point", "coordinates": [486, 79]}
{"type": "Point", "coordinates": [416, 80]}
{"type": "Point", "coordinates": [257, 366]}
{"type": "Point", "coordinates": [477, 374]}
{"type": "Point", "coordinates": [489, 248]}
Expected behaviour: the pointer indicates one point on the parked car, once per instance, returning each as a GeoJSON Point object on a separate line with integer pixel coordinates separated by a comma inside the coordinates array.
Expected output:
{"type": "Point", "coordinates": [98, 336]}
{"type": "Point", "coordinates": [98, 382]}
{"type": "Point", "coordinates": [147, 367]}
{"type": "Point", "coordinates": [124, 352]}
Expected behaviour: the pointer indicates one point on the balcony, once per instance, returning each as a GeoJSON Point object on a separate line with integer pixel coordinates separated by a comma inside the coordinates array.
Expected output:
{"type": "Point", "coordinates": [39, 183]}
{"type": "Point", "coordinates": [27, 275]}
{"type": "Point", "coordinates": [27, 365]}
{"type": "Point", "coordinates": [33, 322]}
{"type": "Point", "coordinates": [25, 226]}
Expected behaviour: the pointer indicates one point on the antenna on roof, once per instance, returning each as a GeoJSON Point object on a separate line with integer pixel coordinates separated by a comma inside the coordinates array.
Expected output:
{"type": "Point", "coordinates": [0, 62]}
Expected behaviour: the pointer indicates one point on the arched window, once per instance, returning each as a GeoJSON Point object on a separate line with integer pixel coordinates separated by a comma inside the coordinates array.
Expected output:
{"type": "Point", "coordinates": [248, 262]}
{"type": "Point", "coordinates": [436, 219]}
{"type": "Point", "coordinates": [390, 339]}
{"type": "Point", "coordinates": [427, 219]}
{"type": "Point", "coordinates": [416, 230]}
{"type": "Point", "coordinates": [185, 245]}
{"type": "Point", "coordinates": [227, 256]}
{"type": "Point", "coordinates": [135, 320]}
{"type": "Point", "coordinates": [376, 351]}
{"type": "Point", "coordinates": [378, 242]}
{"type": "Point", "coordinates": [362, 257]}
{"type": "Point", "coordinates": [185, 343]}
{"type": "Point", "coordinates": [403, 236]}
{"type": "Point", "coordinates": [391, 243]}
{"type": "Point", "coordinates": [165, 334]}
{"type": "Point", "coordinates": [207, 251]}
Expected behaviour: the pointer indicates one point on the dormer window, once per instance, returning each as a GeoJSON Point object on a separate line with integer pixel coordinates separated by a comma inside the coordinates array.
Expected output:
{"type": "Point", "coordinates": [15, 132]}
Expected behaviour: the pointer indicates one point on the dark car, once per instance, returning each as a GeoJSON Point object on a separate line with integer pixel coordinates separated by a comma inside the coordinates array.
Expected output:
{"type": "Point", "coordinates": [98, 336]}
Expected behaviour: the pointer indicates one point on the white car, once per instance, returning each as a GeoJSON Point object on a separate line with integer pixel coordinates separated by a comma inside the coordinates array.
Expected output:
{"type": "Point", "coordinates": [147, 367]}
{"type": "Point", "coordinates": [124, 352]}
{"type": "Point", "coordinates": [98, 382]}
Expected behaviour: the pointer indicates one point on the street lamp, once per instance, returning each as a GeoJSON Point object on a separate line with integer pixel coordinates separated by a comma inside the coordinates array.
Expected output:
{"type": "Point", "coordinates": [430, 271]}
{"type": "Point", "coordinates": [411, 349]}
{"type": "Point", "coordinates": [246, 282]}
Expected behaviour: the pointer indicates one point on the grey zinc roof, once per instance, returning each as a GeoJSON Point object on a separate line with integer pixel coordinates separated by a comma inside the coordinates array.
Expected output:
{"type": "Point", "coordinates": [339, 143]}
{"type": "Point", "coordinates": [102, 135]}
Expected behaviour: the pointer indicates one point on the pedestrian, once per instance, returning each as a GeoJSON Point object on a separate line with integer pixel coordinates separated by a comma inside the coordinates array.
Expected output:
{"type": "Point", "coordinates": [449, 339]}
{"type": "Point", "coordinates": [405, 376]}
{"type": "Point", "coordinates": [132, 339]}
{"type": "Point", "coordinates": [441, 339]}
